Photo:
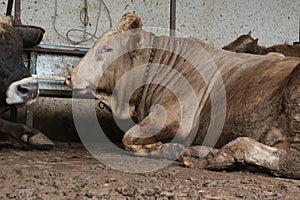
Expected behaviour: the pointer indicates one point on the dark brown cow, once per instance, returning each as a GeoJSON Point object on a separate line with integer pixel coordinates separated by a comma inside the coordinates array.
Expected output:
{"type": "Point", "coordinates": [285, 49]}
{"type": "Point", "coordinates": [17, 87]}
{"type": "Point", "coordinates": [182, 103]}
{"type": "Point", "coordinates": [247, 44]}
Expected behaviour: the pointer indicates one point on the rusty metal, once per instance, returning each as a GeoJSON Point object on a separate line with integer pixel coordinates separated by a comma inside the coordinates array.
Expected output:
{"type": "Point", "coordinates": [31, 35]}
{"type": "Point", "coordinates": [172, 17]}
{"type": "Point", "coordinates": [32, 62]}
{"type": "Point", "coordinates": [58, 50]}
{"type": "Point", "coordinates": [17, 13]}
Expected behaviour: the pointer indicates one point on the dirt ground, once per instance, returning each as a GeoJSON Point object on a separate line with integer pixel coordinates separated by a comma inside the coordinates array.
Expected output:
{"type": "Point", "coordinates": [70, 172]}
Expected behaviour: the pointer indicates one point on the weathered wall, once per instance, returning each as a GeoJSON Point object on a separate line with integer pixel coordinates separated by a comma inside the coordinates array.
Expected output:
{"type": "Point", "coordinates": [217, 22]}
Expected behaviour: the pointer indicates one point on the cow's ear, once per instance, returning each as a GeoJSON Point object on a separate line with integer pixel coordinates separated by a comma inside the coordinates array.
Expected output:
{"type": "Point", "coordinates": [255, 42]}
{"type": "Point", "coordinates": [134, 43]}
{"type": "Point", "coordinates": [250, 32]}
{"type": "Point", "coordinates": [130, 21]}
{"type": "Point", "coordinates": [251, 46]}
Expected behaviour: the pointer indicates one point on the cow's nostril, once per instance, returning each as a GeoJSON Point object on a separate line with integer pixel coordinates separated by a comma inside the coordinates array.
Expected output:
{"type": "Point", "coordinates": [23, 89]}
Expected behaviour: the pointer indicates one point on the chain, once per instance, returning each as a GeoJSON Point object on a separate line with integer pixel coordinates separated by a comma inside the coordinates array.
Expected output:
{"type": "Point", "coordinates": [138, 102]}
{"type": "Point", "coordinates": [103, 106]}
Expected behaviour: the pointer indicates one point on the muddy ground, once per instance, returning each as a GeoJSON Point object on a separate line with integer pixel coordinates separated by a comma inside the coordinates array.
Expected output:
{"type": "Point", "coordinates": [70, 172]}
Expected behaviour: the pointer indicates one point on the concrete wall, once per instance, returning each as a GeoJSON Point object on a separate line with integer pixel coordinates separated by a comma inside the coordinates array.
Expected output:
{"type": "Point", "coordinates": [214, 21]}
{"type": "Point", "coordinates": [217, 22]}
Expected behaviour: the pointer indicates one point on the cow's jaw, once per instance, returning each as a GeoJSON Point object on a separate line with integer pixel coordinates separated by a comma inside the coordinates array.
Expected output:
{"type": "Point", "coordinates": [24, 91]}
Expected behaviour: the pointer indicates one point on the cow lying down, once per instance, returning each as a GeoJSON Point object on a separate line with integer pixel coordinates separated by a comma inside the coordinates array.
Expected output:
{"type": "Point", "coordinates": [247, 44]}
{"type": "Point", "coordinates": [17, 87]}
{"type": "Point", "coordinates": [175, 116]}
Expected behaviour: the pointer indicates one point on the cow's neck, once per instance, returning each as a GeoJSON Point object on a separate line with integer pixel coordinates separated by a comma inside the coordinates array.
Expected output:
{"type": "Point", "coordinates": [128, 82]}
{"type": "Point", "coordinates": [145, 78]}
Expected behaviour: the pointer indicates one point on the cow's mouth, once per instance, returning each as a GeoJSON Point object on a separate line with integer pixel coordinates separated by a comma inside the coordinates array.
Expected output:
{"type": "Point", "coordinates": [25, 91]}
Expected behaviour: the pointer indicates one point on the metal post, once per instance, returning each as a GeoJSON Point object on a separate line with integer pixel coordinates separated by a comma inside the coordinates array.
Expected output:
{"type": "Point", "coordinates": [299, 35]}
{"type": "Point", "coordinates": [32, 69]}
{"type": "Point", "coordinates": [29, 115]}
{"type": "Point", "coordinates": [172, 17]}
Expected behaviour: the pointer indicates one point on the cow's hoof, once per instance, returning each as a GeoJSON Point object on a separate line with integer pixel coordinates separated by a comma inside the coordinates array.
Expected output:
{"type": "Point", "coordinates": [173, 151]}
{"type": "Point", "coordinates": [40, 141]}
{"type": "Point", "coordinates": [192, 162]}
{"type": "Point", "coordinates": [224, 159]}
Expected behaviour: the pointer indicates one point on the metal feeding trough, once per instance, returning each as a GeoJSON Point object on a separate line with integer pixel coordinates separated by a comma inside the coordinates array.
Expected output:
{"type": "Point", "coordinates": [31, 35]}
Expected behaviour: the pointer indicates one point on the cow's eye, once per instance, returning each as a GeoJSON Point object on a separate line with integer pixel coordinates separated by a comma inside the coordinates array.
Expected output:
{"type": "Point", "coordinates": [106, 49]}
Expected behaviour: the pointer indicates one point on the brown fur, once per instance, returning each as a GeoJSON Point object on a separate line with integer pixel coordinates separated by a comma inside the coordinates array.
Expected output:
{"type": "Point", "coordinates": [262, 97]}
{"type": "Point", "coordinates": [247, 44]}
{"type": "Point", "coordinates": [285, 49]}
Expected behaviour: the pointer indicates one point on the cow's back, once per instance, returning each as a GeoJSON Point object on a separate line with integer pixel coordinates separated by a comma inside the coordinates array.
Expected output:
{"type": "Point", "coordinates": [255, 91]}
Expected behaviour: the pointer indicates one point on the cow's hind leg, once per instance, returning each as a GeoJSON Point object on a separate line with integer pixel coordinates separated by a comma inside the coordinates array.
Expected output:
{"type": "Point", "coordinates": [26, 134]}
{"type": "Point", "coordinates": [246, 150]}
{"type": "Point", "coordinates": [249, 151]}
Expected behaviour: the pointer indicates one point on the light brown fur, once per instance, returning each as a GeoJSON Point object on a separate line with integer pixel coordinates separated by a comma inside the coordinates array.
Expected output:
{"type": "Point", "coordinates": [260, 92]}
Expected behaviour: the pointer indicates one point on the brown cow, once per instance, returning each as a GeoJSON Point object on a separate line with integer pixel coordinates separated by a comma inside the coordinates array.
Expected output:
{"type": "Point", "coordinates": [247, 44]}
{"type": "Point", "coordinates": [174, 88]}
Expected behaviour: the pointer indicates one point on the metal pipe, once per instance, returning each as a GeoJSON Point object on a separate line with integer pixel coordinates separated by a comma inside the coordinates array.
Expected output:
{"type": "Point", "coordinates": [9, 7]}
{"type": "Point", "coordinates": [172, 17]}
{"type": "Point", "coordinates": [299, 34]}
{"type": "Point", "coordinates": [18, 13]}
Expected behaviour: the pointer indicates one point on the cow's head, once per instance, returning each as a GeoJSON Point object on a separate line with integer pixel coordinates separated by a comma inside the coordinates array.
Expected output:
{"type": "Point", "coordinates": [109, 58]}
{"type": "Point", "coordinates": [16, 84]}
{"type": "Point", "coordinates": [245, 44]}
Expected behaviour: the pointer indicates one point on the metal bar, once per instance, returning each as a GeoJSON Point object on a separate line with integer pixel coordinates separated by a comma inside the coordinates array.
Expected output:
{"type": "Point", "coordinates": [59, 50]}
{"type": "Point", "coordinates": [49, 78]}
{"type": "Point", "coordinates": [9, 7]}
{"type": "Point", "coordinates": [32, 62]}
{"type": "Point", "coordinates": [299, 35]}
{"type": "Point", "coordinates": [18, 13]}
{"type": "Point", "coordinates": [172, 17]}
{"type": "Point", "coordinates": [29, 115]}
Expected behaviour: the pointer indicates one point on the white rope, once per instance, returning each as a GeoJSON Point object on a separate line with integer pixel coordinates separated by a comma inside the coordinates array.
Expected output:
{"type": "Point", "coordinates": [84, 19]}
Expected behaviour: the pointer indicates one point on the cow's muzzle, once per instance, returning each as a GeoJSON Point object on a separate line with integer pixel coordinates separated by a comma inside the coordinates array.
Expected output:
{"type": "Point", "coordinates": [22, 92]}
{"type": "Point", "coordinates": [68, 81]}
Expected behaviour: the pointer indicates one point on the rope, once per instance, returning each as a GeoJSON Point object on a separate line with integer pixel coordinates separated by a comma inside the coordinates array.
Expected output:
{"type": "Point", "coordinates": [84, 19]}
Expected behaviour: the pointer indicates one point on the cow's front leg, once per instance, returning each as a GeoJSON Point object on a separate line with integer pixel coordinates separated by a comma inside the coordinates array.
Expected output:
{"type": "Point", "coordinates": [26, 134]}
{"type": "Point", "coordinates": [152, 137]}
